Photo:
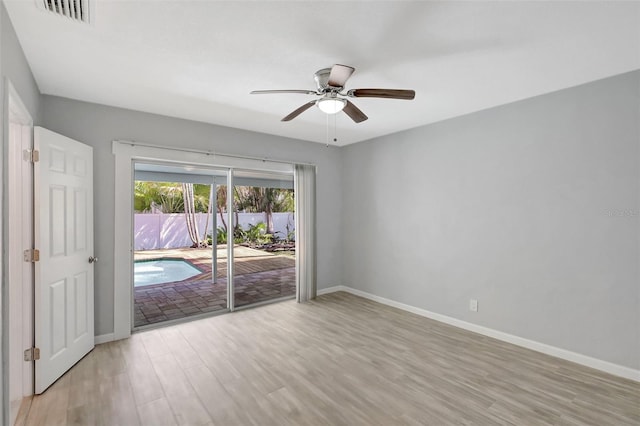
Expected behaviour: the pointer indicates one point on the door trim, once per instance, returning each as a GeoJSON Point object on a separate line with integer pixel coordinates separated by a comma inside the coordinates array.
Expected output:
{"type": "Point", "coordinates": [21, 330]}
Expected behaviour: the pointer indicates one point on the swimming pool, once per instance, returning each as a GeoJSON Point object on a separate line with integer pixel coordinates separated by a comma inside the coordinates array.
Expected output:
{"type": "Point", "coordinates": [158, 271]}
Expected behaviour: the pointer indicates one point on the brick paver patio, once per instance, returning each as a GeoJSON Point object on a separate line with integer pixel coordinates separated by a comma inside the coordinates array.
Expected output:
{"type": "Point", "coordinates": [258, 276]}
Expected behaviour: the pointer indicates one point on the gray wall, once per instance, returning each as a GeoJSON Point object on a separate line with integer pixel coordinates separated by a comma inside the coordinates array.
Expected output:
{"type": "Point", "coordinates": [98, 126]}
{"type": "Point", "coordinates": [16, 68]}
{"type": "Point", "coordinates": [531, 208]}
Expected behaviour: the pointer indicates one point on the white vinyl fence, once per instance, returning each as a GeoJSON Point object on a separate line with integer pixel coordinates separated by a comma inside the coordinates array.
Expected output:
{"type": "Point", "coordinates": [160, 231]}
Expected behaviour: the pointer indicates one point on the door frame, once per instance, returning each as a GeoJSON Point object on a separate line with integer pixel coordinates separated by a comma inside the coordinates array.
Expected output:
{"type": "Point", "coordinates": [126, 153]}
{"type": "Point", "coordinates": [22, 287]}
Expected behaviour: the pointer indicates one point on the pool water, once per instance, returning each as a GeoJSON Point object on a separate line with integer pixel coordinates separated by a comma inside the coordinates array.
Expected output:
{"type": "Point", "coordinates": [149, 272]}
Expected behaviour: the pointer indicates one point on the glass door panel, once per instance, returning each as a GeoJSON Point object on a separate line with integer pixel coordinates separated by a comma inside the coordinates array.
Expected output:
{"type": "Point", "coordinates": [178, 270]}
{"type": "Point", "coordinates": [264, 231]}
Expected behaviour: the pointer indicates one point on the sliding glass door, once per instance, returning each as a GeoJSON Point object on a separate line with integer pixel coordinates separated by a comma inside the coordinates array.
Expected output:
{"type": "Point", "coordinates": [264, 266]}
{"type": "Point", "coordinates": [200, 248]}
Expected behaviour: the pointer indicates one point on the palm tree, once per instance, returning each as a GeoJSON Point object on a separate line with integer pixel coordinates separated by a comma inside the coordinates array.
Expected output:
{"type": "Point", "coordinates": [168, 197]}
{"type": "Point", "coordinates": [189, 197]}
{"type": "Point", "coordinates": [165, 196]}
{"type": "Point", "coordinates": [268, 200]}
{"type": "Point", "coordinates": [145, 193]}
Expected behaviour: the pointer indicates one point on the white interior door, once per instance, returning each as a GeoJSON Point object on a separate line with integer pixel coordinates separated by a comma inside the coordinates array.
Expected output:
{"type": "Point", "coordinates": [64, 308]}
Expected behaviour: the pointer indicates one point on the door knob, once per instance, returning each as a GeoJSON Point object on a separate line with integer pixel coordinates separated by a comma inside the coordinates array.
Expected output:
{"type": "Point", "coordinates": [93, 259]}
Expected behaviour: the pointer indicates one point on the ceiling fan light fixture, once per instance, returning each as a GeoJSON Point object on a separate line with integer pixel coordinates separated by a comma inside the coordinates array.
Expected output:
{"type": "Point", "coordinates": [331, 105]}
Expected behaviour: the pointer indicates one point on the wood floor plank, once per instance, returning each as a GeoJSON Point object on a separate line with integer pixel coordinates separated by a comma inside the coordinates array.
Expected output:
{"type": "Point", "coordinates": [188, 410]}
{"type": "Point", "coordinates": [171, 376]}
{"type": "Point", "coordinates": [50, 408]}
{"type": "Point", "coordinates": [181, 349]}
{"type": "Point", "coordinates": [117, 404]}
{"type": "Point", "coordinates": [23, 412]}
{"type": "Point", "coordinates": [157, 413]}
{"type": "Point", "coordinates": [338, 360]}
{"type": "Point", "coordinates": [155, 344]}
{"type": "Point", "coordinates": [222, 408]}
{"type": "Point", "coordinates": [142, 376]}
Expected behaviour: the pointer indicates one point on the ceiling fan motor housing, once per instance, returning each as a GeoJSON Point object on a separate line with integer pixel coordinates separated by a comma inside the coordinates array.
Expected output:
{"type": "Point", "coordinates": [322, 79]}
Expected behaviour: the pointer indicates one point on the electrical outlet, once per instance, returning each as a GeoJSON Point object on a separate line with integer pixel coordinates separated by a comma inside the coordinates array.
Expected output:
{"type": "Point", "coordinates": [473, 305]}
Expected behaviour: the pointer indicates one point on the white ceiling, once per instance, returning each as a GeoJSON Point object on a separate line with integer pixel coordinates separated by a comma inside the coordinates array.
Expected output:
{"type": "Point", "coordinates": [199, 60]}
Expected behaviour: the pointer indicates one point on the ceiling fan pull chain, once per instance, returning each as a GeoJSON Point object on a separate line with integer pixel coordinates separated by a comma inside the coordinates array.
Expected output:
{"type": "Point", "coordinates": [327, 133]}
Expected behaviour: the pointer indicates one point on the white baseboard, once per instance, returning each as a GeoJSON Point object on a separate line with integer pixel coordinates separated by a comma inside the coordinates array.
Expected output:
{"type": "Point", "coordinates": [332, 289]}
{"type": "Point", "coordinates": [598, 364]}
{"type": "Point", "coordinates": [104, 338]}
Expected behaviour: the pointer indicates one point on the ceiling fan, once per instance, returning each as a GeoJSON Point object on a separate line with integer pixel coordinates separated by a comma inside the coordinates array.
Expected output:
{"type": "Point", "coordinates": [330, 84]}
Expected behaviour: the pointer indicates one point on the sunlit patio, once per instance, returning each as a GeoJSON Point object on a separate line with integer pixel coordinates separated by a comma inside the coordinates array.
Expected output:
{"type": "Point", "coordinates": [258, 276]}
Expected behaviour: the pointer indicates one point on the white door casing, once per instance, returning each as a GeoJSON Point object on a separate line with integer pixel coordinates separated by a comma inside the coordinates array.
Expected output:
{"type": "Point", "coordinates": [20, 272]}
{"type": "Point", "coordinates": [20, 237]}
{"type": "Point", "coordinates": [64, 304]}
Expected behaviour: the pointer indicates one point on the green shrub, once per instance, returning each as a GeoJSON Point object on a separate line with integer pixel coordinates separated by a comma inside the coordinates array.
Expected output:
{"type": "Point", "coordinates": [258, 234]}
{"type": "Point", "coordinates": [221, 235]}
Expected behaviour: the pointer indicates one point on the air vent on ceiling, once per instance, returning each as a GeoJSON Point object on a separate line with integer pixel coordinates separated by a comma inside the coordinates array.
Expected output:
{"type": "Point", "coordinates": [78, 10]}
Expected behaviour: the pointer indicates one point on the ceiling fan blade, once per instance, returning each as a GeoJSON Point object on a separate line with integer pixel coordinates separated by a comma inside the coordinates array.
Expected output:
{"type": "Point", "coordinates": [382, 93]}
{"type": "Point", "coordinates": [299, 111]}
{"type": "Point", "coordinates": [339, 75]}
{"type": "Point", "coordinates": [267, 92]}
{"type": "Point", "coordinates": [354, 112]}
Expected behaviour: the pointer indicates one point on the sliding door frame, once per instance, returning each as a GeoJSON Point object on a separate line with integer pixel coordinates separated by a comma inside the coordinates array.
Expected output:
{"type": "Point", "coordinates": [230, 240]}
{"type": "Point", "coordinates": [126, 154]}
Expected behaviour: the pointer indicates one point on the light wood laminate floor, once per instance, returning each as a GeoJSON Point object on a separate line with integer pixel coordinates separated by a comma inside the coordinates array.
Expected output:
{"type": "Point", "coordinates": [340, 360]}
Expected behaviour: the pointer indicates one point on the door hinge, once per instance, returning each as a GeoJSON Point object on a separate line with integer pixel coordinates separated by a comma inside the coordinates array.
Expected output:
{"type": "Point", "coordinates": [32, 255]}
{"type": "Point", "coordinates": [32, 354]}
{"type": "Point", "coordinates": [31, 155]}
